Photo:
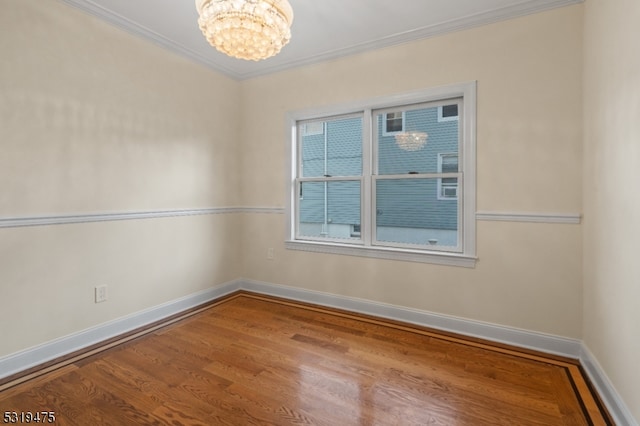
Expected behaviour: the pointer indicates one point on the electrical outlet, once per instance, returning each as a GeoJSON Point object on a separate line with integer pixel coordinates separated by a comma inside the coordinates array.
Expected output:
{"type": "Point", "coordinates": [101, 293]}
{"type": "Point", "coordinates": [270, 253]}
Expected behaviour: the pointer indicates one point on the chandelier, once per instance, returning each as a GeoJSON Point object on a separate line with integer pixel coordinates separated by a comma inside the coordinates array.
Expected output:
{"type": "Point", "coordinates": [246, 29]}
{"type": "Point", "coordinates": [411, 141]}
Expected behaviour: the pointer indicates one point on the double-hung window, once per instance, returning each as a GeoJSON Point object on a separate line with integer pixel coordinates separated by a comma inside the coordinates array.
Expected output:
{"type": "Point", "coordinates": [386, 178]}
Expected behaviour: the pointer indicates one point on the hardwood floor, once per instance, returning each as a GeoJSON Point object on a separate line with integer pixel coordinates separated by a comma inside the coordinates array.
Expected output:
{"type": "Point", "coordinates": [250, 359]}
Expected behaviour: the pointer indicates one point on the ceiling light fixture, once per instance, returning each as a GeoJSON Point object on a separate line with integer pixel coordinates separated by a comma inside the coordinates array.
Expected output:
{"type": "Point", "coordinates": [246, 29]}
{"type": "Point", "coordinates": [411, 141]}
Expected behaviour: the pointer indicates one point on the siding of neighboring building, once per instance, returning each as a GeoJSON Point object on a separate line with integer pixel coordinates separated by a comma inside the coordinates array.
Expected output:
{"type": "Point", "coordinates": [396, 198]}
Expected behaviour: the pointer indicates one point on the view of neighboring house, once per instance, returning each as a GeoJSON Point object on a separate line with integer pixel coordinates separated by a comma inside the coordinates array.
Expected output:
{"type": "Point", "coordinates": [407, 168]}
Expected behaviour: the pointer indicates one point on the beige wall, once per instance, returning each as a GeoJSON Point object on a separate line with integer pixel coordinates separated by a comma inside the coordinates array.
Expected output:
{"type": "Point", "coordinates": [529, 73]}
{"type": "Point", "coordinates": [611, 201]}
{"type": "Point", "coordinates": [94, 120]}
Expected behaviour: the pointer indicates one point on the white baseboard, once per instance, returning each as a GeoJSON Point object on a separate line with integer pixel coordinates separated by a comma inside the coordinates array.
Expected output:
{"type": "Point", "coordinates": [38, 355]}
{"type": "Point", "coordinates": [547, 343]}
{"type": "Point", "coordinates": [616, 406]}
{"type": "Point", "coordinates": [522, 338]}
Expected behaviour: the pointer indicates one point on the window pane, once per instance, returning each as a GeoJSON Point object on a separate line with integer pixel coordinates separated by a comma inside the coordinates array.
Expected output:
{"type": "Point", "coordinates": [449, 163]}
{"type": "Point", "coordinates": [448, 188]}
{"type": "Point", "coordinates": [416, 149]}
{"type": "Point", "coordinates": [330, 209]}
{"type": "Point", "coordinates": [408, 211]}
{"type": "Point", "coordinates": [393, 122]}
{"type": "Point", "coordinates": [336, 150]}
{"type": "Point", "coordinates": [450, 111]}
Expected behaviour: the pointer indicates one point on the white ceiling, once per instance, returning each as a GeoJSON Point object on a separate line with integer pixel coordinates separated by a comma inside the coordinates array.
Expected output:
{"type": "Point", "coordinates": [321, 30]}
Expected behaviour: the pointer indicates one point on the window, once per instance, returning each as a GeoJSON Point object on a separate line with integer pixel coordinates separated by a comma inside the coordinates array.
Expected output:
{"type": "Point", "coordinates": [448, 113]}
{"type": "Point", "coordinates": [387, 178]}
{"type": "Point", "coordinates": [448, 186]}
{"type": "Point", "coordinates": [393, 123]}
{"type": "Point", "coordinates": [312, 129]}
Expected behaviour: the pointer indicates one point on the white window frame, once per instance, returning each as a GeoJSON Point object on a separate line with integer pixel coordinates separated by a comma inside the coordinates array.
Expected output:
{"type": "Point", "coordinates": [311, 129]}
{"type": "Point", "coordinates": [466, 256]}
{"type": "Point", "coordinates": [385, 132]}
{"type": "Point", "coordinates": [439, 189]}
{"type": "Point", "coordinates": [441, 117]}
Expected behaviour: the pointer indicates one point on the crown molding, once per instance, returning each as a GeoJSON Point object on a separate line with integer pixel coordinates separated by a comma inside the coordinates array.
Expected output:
{"type": "Point", "coordinates": [136, 29]}
{"type": "Point", "coordinates": [523, 8]}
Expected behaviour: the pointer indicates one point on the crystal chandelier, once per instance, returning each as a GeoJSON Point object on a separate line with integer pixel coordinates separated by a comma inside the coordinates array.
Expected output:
{"type": "Point", "coordinates": [246, 29]}
{"type": "Point", "coordinates": [411, 141]}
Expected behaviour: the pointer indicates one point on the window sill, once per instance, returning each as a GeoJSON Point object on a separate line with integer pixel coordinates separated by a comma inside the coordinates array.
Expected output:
{"type": "Point", "coordinates": [438, 258]}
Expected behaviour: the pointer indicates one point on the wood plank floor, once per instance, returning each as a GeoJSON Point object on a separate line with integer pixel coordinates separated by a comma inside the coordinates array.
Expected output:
{"type": "Point", "coordinates": [256, 360]}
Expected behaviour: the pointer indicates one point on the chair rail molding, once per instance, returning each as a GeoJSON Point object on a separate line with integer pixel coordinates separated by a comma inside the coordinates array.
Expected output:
{"type": "Point", "coordinates": [62, 219]}
{"type": "Point", "coordinates": [567, 218]}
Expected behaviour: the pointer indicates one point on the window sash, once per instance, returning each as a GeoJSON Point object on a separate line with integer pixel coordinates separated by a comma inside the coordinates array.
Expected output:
{"type": "Point", "coordinates": [298, 211]}
{"type": "Point", "coordinates": [324, 121]}
{"type": "Point", "coordinates": [457, 247]}
{"type": "Point", "coordinates": [382, 112]}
